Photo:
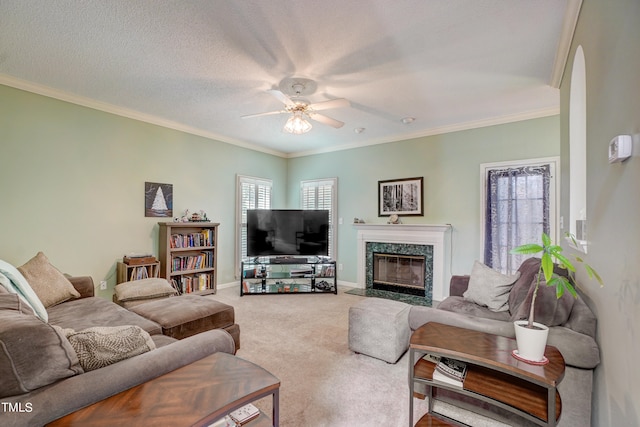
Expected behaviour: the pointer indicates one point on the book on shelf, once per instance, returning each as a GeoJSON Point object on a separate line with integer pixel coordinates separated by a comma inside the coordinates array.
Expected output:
{"type": "Point", "coordinates": [139, 273]}
{"type": "Point", "coordinates": [176, 286]}
{"type": "Point", "coordinates": [192, 240]}
{"type": "Point", "coordinates": [245, 414]}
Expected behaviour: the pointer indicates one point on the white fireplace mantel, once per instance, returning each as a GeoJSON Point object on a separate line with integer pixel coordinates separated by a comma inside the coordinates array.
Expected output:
{"type": "Point", "coordinates": [418, 234]}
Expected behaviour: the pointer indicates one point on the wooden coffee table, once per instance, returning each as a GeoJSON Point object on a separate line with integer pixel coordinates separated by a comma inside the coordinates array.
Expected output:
{"type": "Point", "coordinates": [493, 374]}
{"type": "Point", "coordinates": [195, 395]}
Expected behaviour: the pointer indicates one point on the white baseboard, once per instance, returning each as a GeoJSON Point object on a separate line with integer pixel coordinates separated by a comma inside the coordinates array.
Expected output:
{"type": "Point", "coordinates": [349, 284]}
{"type": "Point", "coordinates": [229, 285]}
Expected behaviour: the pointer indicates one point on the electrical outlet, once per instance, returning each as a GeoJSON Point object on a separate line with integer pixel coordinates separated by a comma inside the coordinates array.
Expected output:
{"type": "Point", "coordinates": [340, 267]}
{"type": "Point", "coordinates": [103, 285]}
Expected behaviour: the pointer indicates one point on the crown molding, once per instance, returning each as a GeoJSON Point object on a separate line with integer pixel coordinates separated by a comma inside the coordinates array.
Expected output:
{"type": "Point", "coordinates": [125, 112]}
{"type": "Point", "coordinates": [564, 44]}
{"type": "Point", "coordinates": [147, 118]}
{"type": "Point", "coordinates": [475, 124]}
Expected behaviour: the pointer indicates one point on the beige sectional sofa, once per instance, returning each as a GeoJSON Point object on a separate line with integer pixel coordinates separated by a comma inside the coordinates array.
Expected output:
{"type": "Point", "coordinates": [41, 377]}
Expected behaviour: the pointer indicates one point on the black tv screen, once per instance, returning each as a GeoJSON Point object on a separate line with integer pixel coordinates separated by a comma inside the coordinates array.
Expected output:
{"type": "Point", "coordinates": [287, 232]}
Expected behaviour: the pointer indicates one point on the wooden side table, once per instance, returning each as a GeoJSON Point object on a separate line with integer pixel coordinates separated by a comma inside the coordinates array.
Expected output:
{"type": "Point", "coordinates": [493, 374]}
{"type": "Point", "coordinates": [195, 395]}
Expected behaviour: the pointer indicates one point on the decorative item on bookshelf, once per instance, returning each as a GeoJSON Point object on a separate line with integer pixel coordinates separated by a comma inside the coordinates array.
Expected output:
{"type": "Point", "coordinates": [192, 217]}
{"type": "Point", "coordinates": [138, 259]}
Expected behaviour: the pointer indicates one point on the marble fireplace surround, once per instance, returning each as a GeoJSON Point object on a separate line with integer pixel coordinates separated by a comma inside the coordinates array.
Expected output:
{"type": "Point", "coordinates": [418, 234]}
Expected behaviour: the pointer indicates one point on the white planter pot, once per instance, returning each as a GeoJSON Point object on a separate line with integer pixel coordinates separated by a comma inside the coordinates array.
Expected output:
{"type": "Point", "coordinates": [531, 342]}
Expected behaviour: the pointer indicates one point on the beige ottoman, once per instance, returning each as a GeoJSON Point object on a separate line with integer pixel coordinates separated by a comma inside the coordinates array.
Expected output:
{"type": "Point", "coordinates": [187, 315]}
{"type": "Point", "coordinates": [379, 328]}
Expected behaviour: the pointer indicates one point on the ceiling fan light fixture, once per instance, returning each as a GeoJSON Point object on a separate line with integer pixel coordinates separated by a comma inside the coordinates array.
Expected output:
{"type": "Point", "coordinates": [297, 124]}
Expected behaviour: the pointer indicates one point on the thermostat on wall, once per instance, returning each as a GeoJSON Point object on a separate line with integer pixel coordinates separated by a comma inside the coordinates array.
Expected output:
{"type": "Point", "coordinates": [620, 148]}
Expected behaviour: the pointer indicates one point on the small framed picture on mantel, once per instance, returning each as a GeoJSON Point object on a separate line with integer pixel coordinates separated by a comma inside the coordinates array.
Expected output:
{"type": "Point", "coordinates": [402, 197]}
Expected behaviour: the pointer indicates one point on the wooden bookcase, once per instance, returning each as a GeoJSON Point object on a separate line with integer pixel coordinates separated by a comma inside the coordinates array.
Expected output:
{"type": "Point", "coordinates": [188, 255]}
{"type": "Point", "coordinates": [127, 272]}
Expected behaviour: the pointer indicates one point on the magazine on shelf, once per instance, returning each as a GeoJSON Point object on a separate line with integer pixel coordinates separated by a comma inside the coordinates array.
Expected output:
{"type": "Point", "coordinates": [431, 358]}
{"type": "Point", "coordinates": [451, 368]}
{"type": "Point", "coordinates": [440, 377]}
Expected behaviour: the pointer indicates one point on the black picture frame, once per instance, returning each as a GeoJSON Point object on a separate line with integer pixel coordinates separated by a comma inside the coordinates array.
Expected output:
{"type": "Point", "coordinates": [158, 199]}
{"type": "Point", "coordinates": [402, 197]}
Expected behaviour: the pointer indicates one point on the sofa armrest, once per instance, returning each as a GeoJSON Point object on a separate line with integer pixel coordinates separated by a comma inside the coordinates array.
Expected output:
{"type": "Point", "coordinates": [419, 315]}
{"type": "Point", "coordinates": [71, 394]}
{"type": "Point", "coordinates": [458, 285]}
{"type": "Point", "coordinates": [579, 350]}
{"type": "Point", "coordinates": [83, 284]}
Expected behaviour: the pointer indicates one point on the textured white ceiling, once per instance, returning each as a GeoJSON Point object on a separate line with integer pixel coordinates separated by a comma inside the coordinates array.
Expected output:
{"type": "Point", "coordinates": [201, 65]}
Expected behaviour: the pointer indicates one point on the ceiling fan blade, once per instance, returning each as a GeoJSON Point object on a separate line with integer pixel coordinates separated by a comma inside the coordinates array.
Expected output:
{"type": "Point", "coordinates": [282, 97]}
{"type": "Point", "coordinates": [333, 103]}
{"type": "Point", "coordinates": [326, 120]}
{"type": "Point", "coordinates": [264, 114]}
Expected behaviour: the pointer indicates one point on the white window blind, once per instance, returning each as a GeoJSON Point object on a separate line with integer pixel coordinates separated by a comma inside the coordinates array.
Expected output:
{"type": "Point", "coordinates": [252, 193]}
{"type": "Point", "coordinates": [321, 194]}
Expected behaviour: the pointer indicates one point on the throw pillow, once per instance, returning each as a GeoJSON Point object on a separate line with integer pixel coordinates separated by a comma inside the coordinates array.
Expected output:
{"type": "Point", "coordinates": [489, 288]}
{"type": "Point", "coordinates": [549, 310]}
{"type": "Point", "coordinates": [32, 353]}
{"type": "Point", "coordinates": [47, 281]}
{"type": "Point", "coordinates": [100, 346]}
{"type": "Point", "coordinates": [144, 289]}
{"type": "Point", "coordinates": [14, 283]}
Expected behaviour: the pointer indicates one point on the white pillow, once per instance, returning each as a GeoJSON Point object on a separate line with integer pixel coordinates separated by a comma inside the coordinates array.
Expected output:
{"type": "Point", "coordinates": [14, 282]}
{"type": "Point", "coordinates": [489, 288]}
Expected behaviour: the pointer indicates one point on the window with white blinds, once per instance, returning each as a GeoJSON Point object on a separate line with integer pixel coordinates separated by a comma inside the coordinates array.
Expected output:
{"type": "Point", "coordinates": [251, 193]}
{"type": "Point", "coordinates": [321, 194]}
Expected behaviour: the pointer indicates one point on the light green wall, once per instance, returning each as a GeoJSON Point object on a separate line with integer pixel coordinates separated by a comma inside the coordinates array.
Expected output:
{"type": "Point", "coordinates": [72, 184]}
{"type": "Point", "coordinates": [609, 34]}
{"type": "Point", "coordinates": [450, 165]}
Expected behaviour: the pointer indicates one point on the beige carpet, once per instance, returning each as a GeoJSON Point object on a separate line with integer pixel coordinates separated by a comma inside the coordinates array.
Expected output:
{"type": "Point", "coordinates": [302, 340]}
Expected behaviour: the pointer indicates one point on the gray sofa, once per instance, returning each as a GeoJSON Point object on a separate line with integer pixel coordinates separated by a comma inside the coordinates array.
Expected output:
{"type": "Point", "coordinates": [573, 333]}
{"type": "Point", "coordinates": [78, 388]}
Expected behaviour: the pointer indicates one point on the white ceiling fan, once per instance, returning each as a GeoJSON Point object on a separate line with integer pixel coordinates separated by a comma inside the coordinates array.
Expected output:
{"type": "Point", "coordinates": [300, 108]}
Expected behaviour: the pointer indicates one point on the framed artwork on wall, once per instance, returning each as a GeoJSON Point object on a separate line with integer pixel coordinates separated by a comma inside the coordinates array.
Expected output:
{"type": "Point", "coordinates": [400, 197]}
{"type": "Point", "coordinates": [158, 199]}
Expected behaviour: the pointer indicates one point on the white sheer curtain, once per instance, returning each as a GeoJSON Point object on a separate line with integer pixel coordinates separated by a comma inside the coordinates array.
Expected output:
{"type": "Point", "coordinates": [517, 212]}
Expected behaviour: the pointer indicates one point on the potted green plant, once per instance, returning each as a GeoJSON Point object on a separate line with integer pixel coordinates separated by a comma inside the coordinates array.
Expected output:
{"type": "Point", "coordinates": [531, 336]}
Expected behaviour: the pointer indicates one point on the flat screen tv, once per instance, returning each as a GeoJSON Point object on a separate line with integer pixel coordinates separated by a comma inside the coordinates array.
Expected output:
{"type": "Point", "coordinates": [287, 232]}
